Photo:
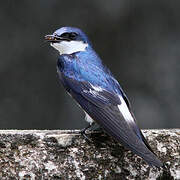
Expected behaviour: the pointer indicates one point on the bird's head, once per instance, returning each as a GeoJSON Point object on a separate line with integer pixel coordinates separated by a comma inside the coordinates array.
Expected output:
{"type": "Point", "coordinates": [68, 40]}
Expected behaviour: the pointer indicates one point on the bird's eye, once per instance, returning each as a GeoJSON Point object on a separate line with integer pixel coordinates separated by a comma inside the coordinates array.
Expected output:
{"type": "Point", "coordinates": [65, 35]}
{"type": "Point", "coordinates": [69, 36]}
{"type": "Point", "coordinates": [72, 35]}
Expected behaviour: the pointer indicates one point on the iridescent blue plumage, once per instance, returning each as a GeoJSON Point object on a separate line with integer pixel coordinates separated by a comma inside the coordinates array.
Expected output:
{"type": "Point", "coordinates": [87, 66]}
{"type": "Point", "coordinates": [93, 86]}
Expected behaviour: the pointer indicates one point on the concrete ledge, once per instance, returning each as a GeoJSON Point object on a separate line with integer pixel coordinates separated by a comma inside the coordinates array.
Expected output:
{"type": "Point", "coordinates": [55, 154]}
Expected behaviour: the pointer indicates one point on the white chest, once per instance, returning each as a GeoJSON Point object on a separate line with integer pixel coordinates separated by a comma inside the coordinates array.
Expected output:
{"type": "Point", "coordinates": [69, 47]}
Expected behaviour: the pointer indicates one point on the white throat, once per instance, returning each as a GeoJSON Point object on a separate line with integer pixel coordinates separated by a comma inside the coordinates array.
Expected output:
{"type": "Point", "coordinates": [69, 47]}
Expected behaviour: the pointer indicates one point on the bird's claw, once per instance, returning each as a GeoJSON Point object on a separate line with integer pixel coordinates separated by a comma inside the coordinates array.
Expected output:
{"type": "Point", "coordinates": [83, 133]}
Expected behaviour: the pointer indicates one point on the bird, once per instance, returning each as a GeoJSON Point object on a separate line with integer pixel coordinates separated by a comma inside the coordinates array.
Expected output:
{"type": "Point", "coordinates": [93, 86]}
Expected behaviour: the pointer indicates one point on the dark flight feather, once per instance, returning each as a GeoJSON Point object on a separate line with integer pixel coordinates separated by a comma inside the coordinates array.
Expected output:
{"type": "Point", "coordinates": [102, 106]}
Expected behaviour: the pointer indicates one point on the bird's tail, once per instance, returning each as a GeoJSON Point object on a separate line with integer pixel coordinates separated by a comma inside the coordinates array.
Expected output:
{"type": "Point", "coordinates": [151, 158]}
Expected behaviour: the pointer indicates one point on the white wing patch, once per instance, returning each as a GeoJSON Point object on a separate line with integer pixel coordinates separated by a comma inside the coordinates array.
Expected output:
{"type": "Point", "coordinates": [69, 47]}
{"type": "Point", "coordinates": [94, 90]}
{"type": "Point", "coordinates": [88, 118]}
{"type": "Point", "coordinates": [97, 88]}
{"type": "Point", "coordinates": [125, 111]}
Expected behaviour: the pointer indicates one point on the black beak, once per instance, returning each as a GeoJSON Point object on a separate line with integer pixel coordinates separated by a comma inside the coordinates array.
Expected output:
{"type": "Point", "coordinates": [54, 38]}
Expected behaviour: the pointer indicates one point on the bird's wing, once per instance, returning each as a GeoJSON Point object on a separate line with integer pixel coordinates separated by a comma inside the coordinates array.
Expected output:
{"type": "Point", "coordinates": [133, 123]}
{"type": "Point", "coordinates": [111, 112]}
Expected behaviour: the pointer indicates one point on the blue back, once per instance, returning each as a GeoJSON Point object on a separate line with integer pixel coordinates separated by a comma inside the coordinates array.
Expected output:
{"type": "Point", "coordinates": [87, 66]}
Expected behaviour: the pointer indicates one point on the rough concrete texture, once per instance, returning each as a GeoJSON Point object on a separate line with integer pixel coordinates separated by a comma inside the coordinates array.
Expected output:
{"type": "Point", "coordinates": [55, 154]}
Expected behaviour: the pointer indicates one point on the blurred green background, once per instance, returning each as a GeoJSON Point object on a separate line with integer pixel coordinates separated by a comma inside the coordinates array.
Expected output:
{"type": "Point", "coordinates": [138, 40]}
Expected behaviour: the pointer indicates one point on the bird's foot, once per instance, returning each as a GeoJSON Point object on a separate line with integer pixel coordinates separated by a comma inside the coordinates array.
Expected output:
{"type": "Point", "coordinates": [83, 133]}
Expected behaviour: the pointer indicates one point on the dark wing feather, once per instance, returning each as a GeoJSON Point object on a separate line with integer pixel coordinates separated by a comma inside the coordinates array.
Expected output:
{"type": "Point", "coordinates": [133, 125]}
{"type": "Point", "coordinates": [102, 106]}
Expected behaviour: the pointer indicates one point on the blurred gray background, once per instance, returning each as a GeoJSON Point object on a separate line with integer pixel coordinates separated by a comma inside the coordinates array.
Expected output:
{"type": "Point", "coordinates": [138, 40]}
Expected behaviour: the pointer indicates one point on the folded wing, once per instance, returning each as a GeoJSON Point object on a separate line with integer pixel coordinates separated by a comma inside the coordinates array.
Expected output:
{"type": "Point", "coordinates": [112, 112]}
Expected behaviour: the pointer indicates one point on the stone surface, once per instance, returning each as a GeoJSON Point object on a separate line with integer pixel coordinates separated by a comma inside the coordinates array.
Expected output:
{"type": "Point", "coordinates": [55, 154]}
